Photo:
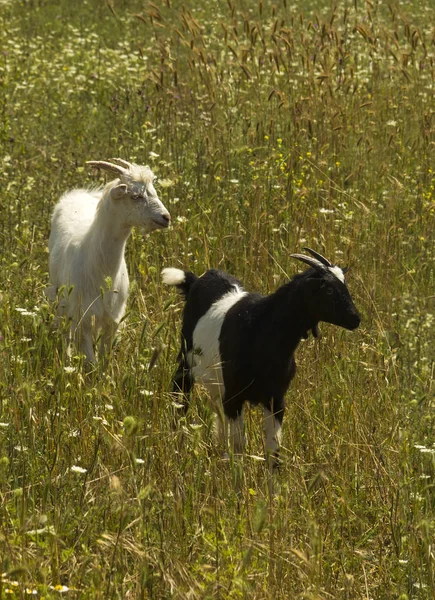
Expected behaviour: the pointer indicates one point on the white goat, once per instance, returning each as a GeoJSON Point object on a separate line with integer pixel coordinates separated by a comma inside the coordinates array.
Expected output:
{"type": "Point", "coordinates": [89, 230]}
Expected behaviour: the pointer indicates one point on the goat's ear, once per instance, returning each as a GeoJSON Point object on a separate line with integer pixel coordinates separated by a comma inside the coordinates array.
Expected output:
{"type": "Point", "coordinates": [118, 191]}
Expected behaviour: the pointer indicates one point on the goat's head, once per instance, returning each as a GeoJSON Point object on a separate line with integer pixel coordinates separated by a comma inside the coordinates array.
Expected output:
{"type": "Point", "coordinates": [327, 297]}
{"type": "Point", "coordinates": [135, 189]}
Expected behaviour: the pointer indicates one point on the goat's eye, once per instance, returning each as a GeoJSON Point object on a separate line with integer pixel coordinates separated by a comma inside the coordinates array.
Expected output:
{"type": "Point", "coordinates": [329, 290]}
{"type": "Point", "coordinates": [136, 197]}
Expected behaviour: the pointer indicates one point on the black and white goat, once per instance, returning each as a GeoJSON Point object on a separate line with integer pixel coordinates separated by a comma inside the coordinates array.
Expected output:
{"type": "Point", "coordinates": [241, 345]}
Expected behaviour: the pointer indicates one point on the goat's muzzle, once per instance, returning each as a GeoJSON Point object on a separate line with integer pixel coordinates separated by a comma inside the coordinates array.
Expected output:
{"type": "Point", "coordinates": [163, 221]}
{"type": "Point", "coordinates": [353, 321]}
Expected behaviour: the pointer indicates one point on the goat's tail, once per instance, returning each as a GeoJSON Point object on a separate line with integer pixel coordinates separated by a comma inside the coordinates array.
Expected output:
{"type": "Point", "coordinates": [183, 280]}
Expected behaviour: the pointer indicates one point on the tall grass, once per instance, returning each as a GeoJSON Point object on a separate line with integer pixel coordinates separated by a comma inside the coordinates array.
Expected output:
{"type": "Point", "coordinates": [270, 126]}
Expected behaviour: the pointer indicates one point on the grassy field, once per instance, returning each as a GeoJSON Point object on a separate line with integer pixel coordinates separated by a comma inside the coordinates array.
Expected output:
{"type": "Point", "coordinates": [271, 127]}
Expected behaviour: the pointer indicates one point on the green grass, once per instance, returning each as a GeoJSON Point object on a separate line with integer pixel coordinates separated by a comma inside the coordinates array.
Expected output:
{"type": "Point", "coordinates": [272, 126]}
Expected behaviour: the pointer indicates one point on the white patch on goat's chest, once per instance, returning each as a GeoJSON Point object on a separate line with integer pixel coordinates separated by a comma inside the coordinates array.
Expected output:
{"type": "Point", "coordinates": [205, 358]}
{"type": "Point", "coordinates": [337, 272]}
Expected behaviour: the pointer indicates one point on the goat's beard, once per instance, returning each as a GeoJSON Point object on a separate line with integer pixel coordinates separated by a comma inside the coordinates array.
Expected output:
{"type": "Point", "coordinates": [146, 229]}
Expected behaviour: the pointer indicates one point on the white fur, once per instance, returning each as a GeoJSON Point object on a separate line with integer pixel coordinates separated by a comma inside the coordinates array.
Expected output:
{"type": "Point", "coordinates": [337, 272]}
{"type": "Point", "coordinates": [272, 428]}
{"type": "Point", "coordinates": [172, 276]}
{"type": "Point", "coordinates": [205, 358]}
{"type": "Point", "coordinates": [232, 430]}
{"type": "Point", "coordinates": [89, 231]}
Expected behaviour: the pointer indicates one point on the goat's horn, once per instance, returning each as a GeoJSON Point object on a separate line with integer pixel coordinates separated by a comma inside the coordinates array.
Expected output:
{"type": "Point", "coordinates": [102, 164]}
{"type": "Point", "coordinates": [313, 262]}
{"type": "Point", "coordinates": [123, 162]}
{"type": "Point", "coordinates": [319, 257]}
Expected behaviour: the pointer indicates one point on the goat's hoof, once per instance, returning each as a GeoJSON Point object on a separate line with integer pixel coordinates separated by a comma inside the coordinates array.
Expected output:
{"type": "Point", "coordinates": [276, 466]}
{"type": "Point", "coordinates": [274, 462]}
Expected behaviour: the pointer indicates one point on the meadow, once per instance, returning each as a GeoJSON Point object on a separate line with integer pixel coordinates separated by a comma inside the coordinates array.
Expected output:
{"type": "Point", "coordinates": [271, 126]}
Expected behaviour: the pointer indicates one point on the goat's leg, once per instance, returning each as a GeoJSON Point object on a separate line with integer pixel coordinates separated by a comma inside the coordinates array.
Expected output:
{"type": "Point", "coordinates": [273, 416]}
{"type": "Point", "coordinates": [237, 433]}
{"type": "Point", "coordinates": [235, 424]}
{"type": "Point", "coordinates": [220, 421]}
{"type": "Point", "coordinates": [108, 332]}
{"type": "Point", "coordinates": [83, 335]}
{"type": "Point", "coordinates": [87, 347]}
{"type": "Point", "coordinates": [69, 340]}
{"type": "Point", "coordinates": [183, 381]}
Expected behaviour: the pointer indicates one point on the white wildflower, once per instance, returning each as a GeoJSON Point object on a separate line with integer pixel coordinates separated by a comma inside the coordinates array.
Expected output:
{"type": "Point", "coordinates": [77, 469]}
{"type": "Point", "coordinates": [60, 588]}
{"type": "Point", "coordinates": [21, 448]}
{"type": "Point", "coordinates": [48, 529]}
{"type": "Point", "coordinates": [165, 183]}
{"type": "Point", "coordinates": [177, 405]}
{"type": "Point", "coordinates": [25, 312]}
